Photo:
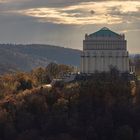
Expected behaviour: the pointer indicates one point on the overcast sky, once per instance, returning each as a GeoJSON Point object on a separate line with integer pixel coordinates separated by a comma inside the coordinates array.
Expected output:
{"type": "Point", "coordinates": [65, 22]}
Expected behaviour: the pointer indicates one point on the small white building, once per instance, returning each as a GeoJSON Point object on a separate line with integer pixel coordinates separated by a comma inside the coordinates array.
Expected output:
{"type": "Point", "coordinates": [104, 49]}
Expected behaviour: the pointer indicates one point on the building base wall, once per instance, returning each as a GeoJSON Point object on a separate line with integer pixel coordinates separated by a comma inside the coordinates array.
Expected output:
{"type": "Point", "coordinates": [103, 60]}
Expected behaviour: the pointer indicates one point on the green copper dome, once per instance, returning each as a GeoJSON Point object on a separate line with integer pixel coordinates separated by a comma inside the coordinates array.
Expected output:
{"type": "Point", "coordinates": [104, 32]}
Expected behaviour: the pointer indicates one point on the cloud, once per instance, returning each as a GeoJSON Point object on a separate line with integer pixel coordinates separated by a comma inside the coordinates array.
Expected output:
{"type": "Point", "coordinates": [3, 1]}
{"type": "Point", "coordinates": [109, 12]}
{"type": "Point", "coordinates": [42, 21]}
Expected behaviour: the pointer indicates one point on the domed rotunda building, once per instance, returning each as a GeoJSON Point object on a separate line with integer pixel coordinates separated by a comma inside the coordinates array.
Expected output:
{"type": "Point", "coordinates": [104, 49]}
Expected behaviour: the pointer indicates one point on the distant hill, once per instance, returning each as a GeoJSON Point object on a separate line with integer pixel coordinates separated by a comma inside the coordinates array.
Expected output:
{"type": "Point", "coordinates": [27, 57]}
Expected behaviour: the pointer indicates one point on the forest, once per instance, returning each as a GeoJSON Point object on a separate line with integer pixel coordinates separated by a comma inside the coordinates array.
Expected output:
{"type": "Point", "coordinates": [104, 107]}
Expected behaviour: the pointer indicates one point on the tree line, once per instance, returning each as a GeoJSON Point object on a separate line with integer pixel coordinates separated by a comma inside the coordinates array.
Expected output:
{"type": "Point", "coordinates": [100, 108]}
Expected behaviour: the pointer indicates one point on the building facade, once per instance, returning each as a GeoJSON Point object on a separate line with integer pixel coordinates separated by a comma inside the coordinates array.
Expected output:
{"type": "Point", "coordinates": [104, 49]}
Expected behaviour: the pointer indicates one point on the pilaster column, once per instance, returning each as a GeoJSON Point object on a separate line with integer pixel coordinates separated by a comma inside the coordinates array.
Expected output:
{"type": "Point", "coordinates": [82, 63]}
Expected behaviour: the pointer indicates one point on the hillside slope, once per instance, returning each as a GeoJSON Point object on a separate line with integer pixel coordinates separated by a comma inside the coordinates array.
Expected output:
{"type": "Point", "coordinates": [27, 57]}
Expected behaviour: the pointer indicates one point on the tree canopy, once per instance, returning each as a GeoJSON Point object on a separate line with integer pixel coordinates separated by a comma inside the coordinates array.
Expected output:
{"type": "Point", "coordinates": [99, 108]}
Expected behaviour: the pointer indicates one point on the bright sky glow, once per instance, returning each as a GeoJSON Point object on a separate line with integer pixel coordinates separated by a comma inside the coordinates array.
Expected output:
{"type": "Point", "coordinates": [65, 22]}
{"type": "Point", "coordinates": [86, 13]}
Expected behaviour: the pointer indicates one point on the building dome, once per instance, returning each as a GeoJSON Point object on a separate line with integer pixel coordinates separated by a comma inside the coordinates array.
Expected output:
{"type": "Point", "coordinates": [104, 32]}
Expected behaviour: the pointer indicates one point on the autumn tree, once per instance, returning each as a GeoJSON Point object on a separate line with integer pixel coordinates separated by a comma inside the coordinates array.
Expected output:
{"type": "Point", "coordinates": [40, 76]}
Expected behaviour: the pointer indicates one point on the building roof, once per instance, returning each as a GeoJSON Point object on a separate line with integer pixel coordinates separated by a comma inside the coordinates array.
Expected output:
{"type": "Point", "coordinates": [104, 32]}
